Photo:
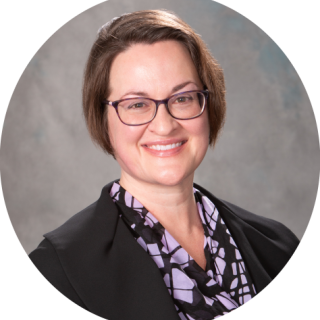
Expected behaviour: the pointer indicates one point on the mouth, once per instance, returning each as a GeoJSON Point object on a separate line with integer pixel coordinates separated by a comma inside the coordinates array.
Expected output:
{"type": "Point", "coordinates": [161, 147]}
{"type": "Point", "coordinates": [165, 148]}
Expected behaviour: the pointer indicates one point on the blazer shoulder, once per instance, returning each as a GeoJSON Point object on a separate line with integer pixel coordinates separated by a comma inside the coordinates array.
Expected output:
{"type": "Point", "coordinates": [269, 227]}
{"type": "Point", "coordinates": [73, 225]}
{"type": "Point", "coordinates": [66, 254]}
{"type": "Point", "coordinates": [97, 218]}
{"type": "Point", "coordinates": [260, 231]}
{"type": "Point", "coordinates": [46, 260]}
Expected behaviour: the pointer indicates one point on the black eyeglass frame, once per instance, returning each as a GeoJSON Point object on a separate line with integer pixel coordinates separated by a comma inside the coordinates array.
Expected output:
{"type": "Point", "coordinates": [158, 103]}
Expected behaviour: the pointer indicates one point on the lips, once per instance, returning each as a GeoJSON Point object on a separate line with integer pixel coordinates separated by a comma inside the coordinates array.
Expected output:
{"type": "Point", "coordinates": [165, 147]}
{"type": "Point", "coordinates": [164, 142]}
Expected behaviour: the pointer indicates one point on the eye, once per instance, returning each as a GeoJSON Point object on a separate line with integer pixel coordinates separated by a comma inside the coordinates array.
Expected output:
{"type": "Point", "coordinates": [137, 105]}
{"type": "Point", "coordinates": [183, 99]}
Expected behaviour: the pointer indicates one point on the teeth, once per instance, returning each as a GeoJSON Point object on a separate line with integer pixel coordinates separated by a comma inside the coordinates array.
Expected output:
{"type": "Point", "coordinates": [165, 147]}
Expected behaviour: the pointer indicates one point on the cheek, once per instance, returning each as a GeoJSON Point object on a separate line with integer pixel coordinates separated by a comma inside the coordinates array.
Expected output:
{"type": "Point", "coordinates": [200, 133]}
{"type": "Point", "coordinates": [126, 147]}
{"type": "Point", "coordinates": [201, 129]}
{"type": "Point", "coordinates": [111, 126]}
{"type": "Point", "coordinates": [206, 127]}
{"type": "Point", "coordinates": [124, 139]}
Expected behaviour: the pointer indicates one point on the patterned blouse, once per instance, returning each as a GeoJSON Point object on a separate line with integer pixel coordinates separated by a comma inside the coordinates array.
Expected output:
{"type": "Point", "coordinates": [197, 294]}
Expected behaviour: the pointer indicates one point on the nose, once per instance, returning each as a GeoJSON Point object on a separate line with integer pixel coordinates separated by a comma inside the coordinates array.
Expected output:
{"type": "Point", "coordinates": [163, 124]}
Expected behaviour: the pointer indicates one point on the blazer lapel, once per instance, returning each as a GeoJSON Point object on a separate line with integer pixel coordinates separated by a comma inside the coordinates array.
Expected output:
{"type": "Point", "coordinates": [112, 274]}
{"type": "Point", "coordinates": [265, 245]}
{"type": "Point", "coordinates": [116, 279]}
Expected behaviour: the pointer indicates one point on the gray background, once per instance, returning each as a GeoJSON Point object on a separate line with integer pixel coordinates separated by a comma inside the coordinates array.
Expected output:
{"type": "Point", "coordinates": [266, 161]}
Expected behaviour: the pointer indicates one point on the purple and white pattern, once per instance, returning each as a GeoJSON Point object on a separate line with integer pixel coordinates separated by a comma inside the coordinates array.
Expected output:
{"type": "Point", "coordinates": [197, 294]}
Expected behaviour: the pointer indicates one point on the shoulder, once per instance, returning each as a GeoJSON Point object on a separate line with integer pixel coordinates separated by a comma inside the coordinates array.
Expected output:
{"type": "Point", "coordinates": [266, 231]}
{"type": "Point", "coordinates": [96, 218]}
{"type": "Point", "coordinates": [86, 228]}
{"type": "Point", "coordinates": [45, 258]}
{"type": "Point", "coordinates": [74, 242]}
{"type": "Point", "coordinates": [268, 227]}
{"type": "Point", "coordinates": [265, 244]}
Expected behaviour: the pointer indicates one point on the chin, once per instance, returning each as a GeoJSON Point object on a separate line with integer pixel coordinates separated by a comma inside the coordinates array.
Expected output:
{"type": "Point", "coordinates": [171, 178]}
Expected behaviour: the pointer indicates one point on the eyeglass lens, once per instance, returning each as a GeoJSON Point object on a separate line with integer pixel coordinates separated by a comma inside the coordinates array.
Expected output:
{"type": "Point", "coordinates": [182, 106]}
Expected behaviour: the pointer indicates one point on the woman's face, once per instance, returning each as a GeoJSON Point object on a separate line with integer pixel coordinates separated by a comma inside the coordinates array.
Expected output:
{"type": "Point", "coordinates": [156, 71]}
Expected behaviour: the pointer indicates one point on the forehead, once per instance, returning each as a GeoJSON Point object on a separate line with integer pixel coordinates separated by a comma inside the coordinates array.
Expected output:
{"type": "Point", "coordinates": [152, 67]}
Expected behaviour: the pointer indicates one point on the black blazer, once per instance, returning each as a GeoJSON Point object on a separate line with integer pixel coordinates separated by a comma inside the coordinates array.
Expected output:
{"type": "Point", "coordinates": [94, 260]}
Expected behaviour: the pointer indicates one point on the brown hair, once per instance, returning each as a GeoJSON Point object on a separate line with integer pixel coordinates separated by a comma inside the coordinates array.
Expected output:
{"type": "Point", "coordinates": [148, 27]}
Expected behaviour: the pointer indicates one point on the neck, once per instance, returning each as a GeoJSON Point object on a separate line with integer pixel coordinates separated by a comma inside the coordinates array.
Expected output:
{"type": "Point", "coordinates": [173, 206]}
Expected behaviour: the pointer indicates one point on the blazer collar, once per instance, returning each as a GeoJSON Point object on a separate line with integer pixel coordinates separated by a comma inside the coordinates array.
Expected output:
{"type": "Point", "coordinates": [115, 277]}
{"type": "Point", "coordinates": [110, 271]}
{"type": "Point", "coordinates": [265, 245]}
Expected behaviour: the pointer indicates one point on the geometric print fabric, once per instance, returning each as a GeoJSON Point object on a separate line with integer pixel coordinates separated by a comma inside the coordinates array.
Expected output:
{"type": "Point", "coordinates": [197, 294]}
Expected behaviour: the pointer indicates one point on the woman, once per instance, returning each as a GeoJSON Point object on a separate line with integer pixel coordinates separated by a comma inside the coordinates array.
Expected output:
{"type": "Point", "coordinates": [155, 245]}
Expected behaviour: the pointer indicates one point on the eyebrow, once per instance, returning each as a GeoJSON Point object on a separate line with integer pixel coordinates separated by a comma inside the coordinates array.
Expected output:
{"type": "Point", "coordinates": [174, 89]}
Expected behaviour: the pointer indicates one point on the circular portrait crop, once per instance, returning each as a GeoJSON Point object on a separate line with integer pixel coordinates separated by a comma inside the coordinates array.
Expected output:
{"type": "Point", "coordinates": [160, 161]}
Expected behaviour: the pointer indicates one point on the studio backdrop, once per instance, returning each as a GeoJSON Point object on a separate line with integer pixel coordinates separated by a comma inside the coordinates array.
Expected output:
{"type": "Point", "coordinates": [266, 160]}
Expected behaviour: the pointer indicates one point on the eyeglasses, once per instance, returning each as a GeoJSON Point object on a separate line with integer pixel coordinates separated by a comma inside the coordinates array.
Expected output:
{"type": "Point", "coordinates": [181, 106]}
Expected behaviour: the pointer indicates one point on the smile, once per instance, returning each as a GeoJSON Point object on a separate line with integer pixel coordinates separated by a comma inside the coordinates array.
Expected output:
{"type": "Point", "coordinates": [165, 147]}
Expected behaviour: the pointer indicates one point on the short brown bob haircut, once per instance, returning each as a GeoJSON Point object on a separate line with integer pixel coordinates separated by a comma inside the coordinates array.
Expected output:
{"type": "Point", "coordinates": [148, 27]}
